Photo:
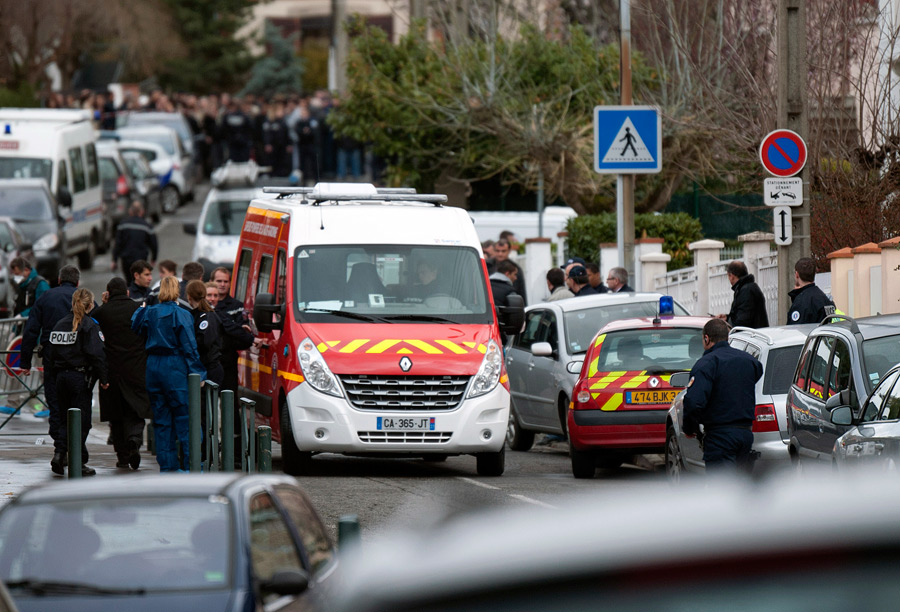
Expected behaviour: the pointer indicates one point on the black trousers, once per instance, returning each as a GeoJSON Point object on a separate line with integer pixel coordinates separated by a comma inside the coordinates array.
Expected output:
{"type": "Point", "coordinates": [57, 420]}
{"type": "Point", "coordinates": [73, 390]}
{"type": "Point", "coordinates": [127, 432]}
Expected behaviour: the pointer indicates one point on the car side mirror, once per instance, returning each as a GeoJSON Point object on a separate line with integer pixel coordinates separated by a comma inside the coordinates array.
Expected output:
{"type": "Point", "coordinates": [845, 397]}
{"type": "Point", "coordinates": [512, 316]}
{"type": "Point", "coordinates": [680, 380]}
{"type": "Point", "coordinates": [574, 367]}
{"type": "Point", "coordinates": [190, 228]}
{"type": "Point", "coordinates": [286, 582]}
{"type": "Point", "coordinates": [542, 349]}
{"type": "Point", "coordinates": [63, 197]}
{"type": "Point", "coordinates": [263, 309]}
{"type": "Point", "coordinates": [842, 415]}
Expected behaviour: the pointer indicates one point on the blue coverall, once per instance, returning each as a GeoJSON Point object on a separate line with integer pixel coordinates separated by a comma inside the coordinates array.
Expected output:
{"type": "Point", "coordinates": [171, 356]}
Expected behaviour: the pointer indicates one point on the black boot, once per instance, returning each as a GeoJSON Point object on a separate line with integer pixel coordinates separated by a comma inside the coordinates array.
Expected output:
{"type": "Point", "coordinates": [59, 462]}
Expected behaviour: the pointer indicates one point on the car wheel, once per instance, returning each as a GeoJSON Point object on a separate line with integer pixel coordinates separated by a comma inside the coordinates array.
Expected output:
{"type": "Point", "coordinates": [293, 461]}
{"type": "Point", "coordinates": [674, 460]}
{"type": "Point", "coordinates": [170, 199]}
{"type": "Point", "coordinates": [517, 438]}
{"type": "Point", "coordinates": [563, 407]}
{"type": "Point", "coordinates": [438, 458]}
{"type": "Point", "coordinates": [87, 256]}
{"type": "Point", "coordinates": [491, 464]}
{"type": "Point", "coordinates": [583, 463]}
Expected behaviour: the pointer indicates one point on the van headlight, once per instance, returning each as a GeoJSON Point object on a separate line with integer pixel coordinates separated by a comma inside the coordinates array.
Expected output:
{"type": "Point", "coordinates": [489, 373]}
{"type": "Point", "coordinates": [46, 242]}
{"type": "Point", "coordinates": [315, 370]}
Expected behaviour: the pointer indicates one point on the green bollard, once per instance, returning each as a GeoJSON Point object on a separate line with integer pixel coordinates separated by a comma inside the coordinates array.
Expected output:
{"type": "Point", "coordinates": [227, 431]}
{"type": "Point", "coordinates": [195, 426]}
{"type": "Point", "coordinates": [74, 441]}
{"type": "Point", "coordinates": [264, 444]}
{"type": "Point", "coordinates": [248, 422]}
{"type": "Point", "coordinates": [348, 531]}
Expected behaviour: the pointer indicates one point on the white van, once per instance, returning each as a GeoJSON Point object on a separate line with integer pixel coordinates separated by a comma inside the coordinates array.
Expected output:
{"type": "Point", "coordinates": [58, 146]}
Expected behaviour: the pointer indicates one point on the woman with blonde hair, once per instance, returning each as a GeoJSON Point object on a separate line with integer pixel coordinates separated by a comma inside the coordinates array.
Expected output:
{"type": "Point", "coordinates": [171, 356]}
{"type": "Point", "coordinates": [76, 351]}
{"type": "Point", "coordinates": [212, 294]}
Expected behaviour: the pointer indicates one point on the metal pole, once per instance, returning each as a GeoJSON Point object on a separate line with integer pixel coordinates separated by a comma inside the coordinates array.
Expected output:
{"type": "Point", "coordinates": [227, 431]}
{"type": "Point", "coordinates": [195, 426]}
{"type": "Point", "coordinates": [540, 201]}
{"type": "Point", "coordinates": [626, 218]}
{"type": "Point", "coordinates": [248, 422]}
{"type": "Point", "coordinates": [264, 443]}
{"type": "Point", "coordinates": [73, 432]}
{"type": "Point", "coordinates": [212, 426]}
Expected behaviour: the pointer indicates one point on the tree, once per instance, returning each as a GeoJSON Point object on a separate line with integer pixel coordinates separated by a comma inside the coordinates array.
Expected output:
{"type": "Point", "coordinates": [278, 71]}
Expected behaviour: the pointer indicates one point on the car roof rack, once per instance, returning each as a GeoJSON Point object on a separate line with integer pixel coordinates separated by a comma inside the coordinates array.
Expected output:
{"type": "Point", "coordinates": [753, 332]}
{"type": "Point", "coordinates": [836, 318]}
{"type": "Point", "coordinates": [357, 192]}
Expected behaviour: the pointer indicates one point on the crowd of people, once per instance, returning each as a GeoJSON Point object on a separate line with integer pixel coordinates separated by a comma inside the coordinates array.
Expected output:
{"type": "Point", "coordinates": [289, 134]}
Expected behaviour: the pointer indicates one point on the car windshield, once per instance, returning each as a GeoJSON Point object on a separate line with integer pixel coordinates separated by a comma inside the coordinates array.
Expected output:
{"type": "Point", "coordinates": [25, 204]}
{"type": "Point", "coordinates": [26, 167]}
{"type": "Point", "coordinates": [583, 325]}
{"type": "Point", "coordinates": [225, 217]}
{"type": "Point", "coordinates": [137, 169]}
{"type": "Point", "coordinates": [662, 349]}
{"type": "Point", "coordinates": [163, 139]}
{"type": "Point", "coordinates": [148, 154]}
{"type": "Point", "coordinates": [174, 122]}
{"type": "Point", "coordinates": [159, 544]}
{"type": "Point", "coordinates": [879, 354]}
{"type": "Point", "coordinates": [395, 283]}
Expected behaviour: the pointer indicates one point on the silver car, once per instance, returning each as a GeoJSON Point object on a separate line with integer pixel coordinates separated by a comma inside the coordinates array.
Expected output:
{"type": "Point", "coordinates": [778, 349]}
{"type": "Point", "coordinates": [544, 360]}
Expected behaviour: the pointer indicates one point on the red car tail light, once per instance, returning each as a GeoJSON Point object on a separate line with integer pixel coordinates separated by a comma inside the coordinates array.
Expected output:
{"type": "Point", "coordinates": [122, 185]}
{"type": "Point", "coordinates": [765, 419]}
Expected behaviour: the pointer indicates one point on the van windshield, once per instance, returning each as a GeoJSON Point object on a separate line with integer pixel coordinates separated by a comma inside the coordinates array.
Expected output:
{"type": "Point", "coordinates": [25, 204]}
{"type": "Point", "coordinates": [26, 167]}
{"type": "Point", "coordinates": [225, 217]}
{"type": "Point", "coordinates": [391, 283]}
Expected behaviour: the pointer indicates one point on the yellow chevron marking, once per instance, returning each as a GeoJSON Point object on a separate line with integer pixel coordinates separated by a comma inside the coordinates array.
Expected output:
{"type": "Point", "coordinates": [291, 376]}
{"type": "Point", "coordinates": [482, 349]}
{"type": "Point", "coordinates": [592, 369]}
{"type": "Point", "coordinates": [322, 347]}
{"type": "Point", "coordinates": [613, 402]}
{"type": "Point", "coordinates": [453, 346]}
{"type": "Point", "coordinates": [353, 345]}
{"type": "Point", "coordinates": [635, 382]}
{"type": "Point", "coordinates": [254, 366]}
{"type": "Point", "coordinates": [382, 346]}
{"type": "Point", "coordinates": [600, 385]}
{"type": "Point", "coordinates": [404, 351]}
{"type": "Point", "coordinates": [425, 347]}
{"type": "Point", "coordinates": [469, 344]}
{"type": "Point", "coordinates": [599, 340]}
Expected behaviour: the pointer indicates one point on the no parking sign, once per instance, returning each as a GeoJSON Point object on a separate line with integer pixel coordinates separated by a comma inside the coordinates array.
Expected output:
{"type": "Point", "coordinates": [783, 153]}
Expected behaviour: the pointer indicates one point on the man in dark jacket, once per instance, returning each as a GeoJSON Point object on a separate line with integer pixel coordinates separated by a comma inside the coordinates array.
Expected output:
{"type": "Point", "coordinates": [501, 254]}
{"type": "Point", "coordinates": [135, 239]}
{"type": "Point", "coordinates": [809, 304]}
{"type": "Point", "coordinates": [45, 314]}
{"type": "Point", "coordinates": [502, 286]}
{"type": "Point", "coordinates": [237, 132]}
{"type": "Point", "coordinates": [579, 283]}
{"type": "Point", "coordinates": [748, 306]}
{"type": "Point", "coordinates": [237, 333]}
{"type": "Point", "coordinates": [141, 279]}
{"type": "Point", "coordinates": [617, 281]}
{"type": "Point", "coordinates": [721, 396]}
{"type": "Point", "coordinates": [29, 286]}
{"type": "Point", "coordinates": [125, 404]}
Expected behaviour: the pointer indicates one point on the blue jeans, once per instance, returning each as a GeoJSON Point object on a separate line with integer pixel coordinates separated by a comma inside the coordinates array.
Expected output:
{"type": "Point", "coordinates": [168, 390]}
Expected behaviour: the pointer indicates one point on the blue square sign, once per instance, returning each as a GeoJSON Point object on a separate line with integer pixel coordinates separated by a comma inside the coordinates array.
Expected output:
{"type": "Point", "coordinates": [627, 140]}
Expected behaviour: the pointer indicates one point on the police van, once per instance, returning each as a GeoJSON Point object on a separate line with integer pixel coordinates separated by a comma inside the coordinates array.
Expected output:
{"type": "Point", "coordinates": [379, 332]}
{"type": "Point", "coordinates": [57, 145]}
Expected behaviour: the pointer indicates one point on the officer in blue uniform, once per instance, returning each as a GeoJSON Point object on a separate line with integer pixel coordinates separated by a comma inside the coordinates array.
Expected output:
{"type": "Point", "coordinates": [721, 397]}
{"type": "Point", "coordinates": [809, 304]}
{"type": "Point", "coordinates": [45, 314]}
{"type": "Point", "coordinates": [171, 356]}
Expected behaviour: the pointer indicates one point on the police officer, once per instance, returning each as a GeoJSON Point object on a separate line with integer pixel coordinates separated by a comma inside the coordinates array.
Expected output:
{"type": "Point", "coordinates": [45, 314]}
{"type": "Point", "coordinates": [721, 396]}
{"type": "Point", "coordinates": [207, 330]}
{"type": "Point", "coordinates": [237, 132]}
{"type": "Point", "coordinates": [135, 239]}
{"type": "Point", "coordinates": [141, 279]}
{"type": "Point", "coordinates": [809, 304]}
{"type": "Point", "coordinates": [76, 349]}
{"type": "Point", "coordinates": [29, 286]}
{"type": "Point", "coordinates": [237, 335]}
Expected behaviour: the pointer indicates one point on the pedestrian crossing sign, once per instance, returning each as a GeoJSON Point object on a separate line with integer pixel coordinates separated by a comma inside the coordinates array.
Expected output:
{"type": "Point", "coordinates": [627, 140]}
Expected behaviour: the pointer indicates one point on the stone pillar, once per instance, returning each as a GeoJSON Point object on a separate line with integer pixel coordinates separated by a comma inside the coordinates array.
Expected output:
{"type": "Point", "coordinates": [538, 260]}
{"type": "Point", "coordinates": [562, 238]}
{"type": "Point", "coordinates": [706, 253]}
{"type": "Point", "coordinates": [652, 265]}
{"type": "Point", "coordinates": [609, 257]}
{"type": "Point", "coordinates": [644, 246]}
{"type": "Point", "coordinates": [865, 257]}
{"type": "Point", "coordinates": [756, 244]}
{"type": "Point", "coordinates": [890, 275]}
{"type": "Point", "coordinates": [841, 265]}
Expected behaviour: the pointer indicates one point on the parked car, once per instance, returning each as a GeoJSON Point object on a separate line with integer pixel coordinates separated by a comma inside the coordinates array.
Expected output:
{"type": "Point", "coordinates": [174, 121]}
{"type": "Point", "coordinates": [12, 245]}
{"type": "Point", "coordinates": [544, 360]}
{"type": "Point", "coordinates": [841, 356]}
{"type": "Point", "coordinates": [787, 545]}
{"type": "Point", "coordinates": [171, 182]}
{"type": "Point", "coordinates": [34, 209]}
{"type": "Point", "coordinates": [208, 542]}
{"type": "Point", "coordinates": [183, 163]}
{"type": "Point", "coordinates": [147, 183]}
{"type": "Point", "coordinates": [622, 396]}
{"type": "Point", "coordinates": [777, 349]}
{"type": "Point", "coordinates": [873, 440]}
{"type": "Point", "coordinates": [118, 189]}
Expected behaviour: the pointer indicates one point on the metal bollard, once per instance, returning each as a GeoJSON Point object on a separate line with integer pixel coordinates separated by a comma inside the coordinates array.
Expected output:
{"type": "Point", "coordinates": [211, 437]}
{"type": "Point", "coordinates": [348, 531]}
{"type": "Point", "coordinates": [227, 431]}
{"type": "Point", "coordinates": [195, 427]}
{"type": "Point", "coordinates": [74, 441]}
{"type": "Point", "coordinates": [264, 444]}
{"type": "Point", "coordinates": [248, 435]}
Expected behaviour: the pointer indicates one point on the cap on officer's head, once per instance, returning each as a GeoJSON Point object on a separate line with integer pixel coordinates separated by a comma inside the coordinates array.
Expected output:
{"type": "Point", "coordinates": [572, 260]}
{"type": "Point", "coordinates": [578, 274]}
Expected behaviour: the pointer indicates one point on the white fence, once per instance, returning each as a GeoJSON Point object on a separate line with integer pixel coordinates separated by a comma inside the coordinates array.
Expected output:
{"type": "Point", "coordinates": [767, 279]}
{"type": "Point", "coordinates": [681, 285]}
{"type": "Point", "coordinates": [720, 293]}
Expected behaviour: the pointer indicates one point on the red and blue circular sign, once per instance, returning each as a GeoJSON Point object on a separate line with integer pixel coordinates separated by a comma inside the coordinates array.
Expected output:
{"type": "Point", "coordinates": [783, 153]}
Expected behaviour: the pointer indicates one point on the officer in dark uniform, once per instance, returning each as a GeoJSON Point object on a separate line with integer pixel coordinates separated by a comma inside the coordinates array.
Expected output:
{"type": "Point", "coordinates": [76, 349]}
{"type": "Point", "coordinates": [721, 396]}
{"type": "Point", "coordinates": [809, 304]}
{"type": "Point", "coordinates": [29, 286]}
{"type": "Point", "coordinates": [237, 132]}
{"type": "Point", "coordinates": [277, 142]}
{"type": "Point", "coordinates": [45, 314]}
{"type": "Point", "coordinates": [141, 279]}
{"type": "Point", "coordinates": [135, 239]}
{"type": "Point", "coordinates": [207, 330]}
{"type": "Point", "coordinates": [236, 331]}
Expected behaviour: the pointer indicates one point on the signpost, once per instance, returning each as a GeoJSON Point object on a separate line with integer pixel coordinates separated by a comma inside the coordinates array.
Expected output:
{"type": "Point", "coordinates": [783, 192]}
{"type": "Point", "coordinates": [783, 153]}
{"type": "Point", "coordinates": [627, 140]}
{"type": "Point", "coordinates": [784, 231]}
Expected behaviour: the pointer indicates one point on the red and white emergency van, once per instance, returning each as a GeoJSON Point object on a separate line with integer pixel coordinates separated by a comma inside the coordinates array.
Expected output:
{"type": "Point", "coordinates": [380, 334]}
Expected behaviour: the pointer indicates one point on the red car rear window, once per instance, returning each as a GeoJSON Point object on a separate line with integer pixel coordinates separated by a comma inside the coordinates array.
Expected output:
{"type": "Point", "coordinates": [655, 349]}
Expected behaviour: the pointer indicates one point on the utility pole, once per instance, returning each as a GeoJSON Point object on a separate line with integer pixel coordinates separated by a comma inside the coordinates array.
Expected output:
{"type": "Point", "coordinates": [793, 114]}
{"type": "Point", "coordinates": [337, 60]}
{"type": "Point", "coordinates": [416, 9]}
{"type": "Point", "coordinates": [625, 182]}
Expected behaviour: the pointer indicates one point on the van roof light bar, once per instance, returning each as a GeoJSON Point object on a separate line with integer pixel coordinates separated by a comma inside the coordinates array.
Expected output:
{"type": "Point", "coordinates": [381, 194]}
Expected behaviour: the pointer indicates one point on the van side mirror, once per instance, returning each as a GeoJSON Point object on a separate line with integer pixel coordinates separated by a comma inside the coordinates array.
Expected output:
{"type": "Point", "coordinates": [63, 197]}
{"type": "Point", "coordinates": [263, 309]}
{"type": "Point", "coordinates": [190, 228]}
{"type": "Point", "coordinates": [680, 380]}
{"type": "Point", "coordinates": [842, 415]}
{"type": "Point", "coordinates": [512, 316]}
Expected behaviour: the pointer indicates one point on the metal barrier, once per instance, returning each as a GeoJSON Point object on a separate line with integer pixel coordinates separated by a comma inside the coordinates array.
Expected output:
{"type": "Point", "coordinates": [16, 389]}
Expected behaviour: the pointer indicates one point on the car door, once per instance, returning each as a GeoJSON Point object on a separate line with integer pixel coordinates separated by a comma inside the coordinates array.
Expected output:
{"type": "Point", "coordinates": [877, 439]}
{"type": "Point", "coordinates": [545, 376]}
{"type": "Point", "coordinates": [809, 404]}
{"type": "Point", "coordinates": [840, 377]}
{"type": "Point", "coordinates": [519, 365]}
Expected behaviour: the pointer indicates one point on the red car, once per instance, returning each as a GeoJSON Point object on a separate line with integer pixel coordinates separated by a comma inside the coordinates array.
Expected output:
{"type": "Point", "coordinates": [623, 393]}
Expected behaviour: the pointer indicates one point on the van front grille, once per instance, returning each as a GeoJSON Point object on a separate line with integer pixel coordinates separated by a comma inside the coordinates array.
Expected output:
{"type": "Point", "coordinates": [405, 437]}
{"type": "Point", "coordinates": [372, 392]}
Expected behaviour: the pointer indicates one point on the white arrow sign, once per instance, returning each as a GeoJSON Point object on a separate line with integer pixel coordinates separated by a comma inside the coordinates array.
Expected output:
{"type": "Point", "coordinates": [783, 191]}
{"type": "Point", "coordinates": [784, 231]}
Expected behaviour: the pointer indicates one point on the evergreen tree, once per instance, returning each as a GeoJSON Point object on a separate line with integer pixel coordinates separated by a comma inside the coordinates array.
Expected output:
{"type": "Point", "coordinates": [278, 71]}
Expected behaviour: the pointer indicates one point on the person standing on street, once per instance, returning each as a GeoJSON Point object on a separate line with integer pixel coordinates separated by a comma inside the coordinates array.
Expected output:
{"type": "Point", "coordinates": [30, 286]}
{"type": "Point", "coordinates": [237, 333]}
{"type": "Point", "coordinates": [501, 254]}
{"type": "Point", "coordinates": [141, 279]}
{"type": "Point", "coordinates": [617, 280]}
{"type": "Point", "coordinates": [502, 286]}
{"type": "Point", "coordinates": [595, 278]}
{"type": "Point", "coordinates": [809, 304]}
{"type": "Point", "coordinates": [76, 350]}
{"type": "Point", "coordinates": [237, 132]}
{"type": "Point", "coordinates": [207, 331]}
{"type": "Point", "coordinates": [135, 239]}
{"type": "Point", "coordinates": [125, 404]}
{"type": "Point", "coordinates": [721, 396]}
{"type": "Point", "coordinates": [45, 314]}
{"type": "Point", "coordinates": [171, 356]}
{"type": "Point", "coordinates": [578, 281]}
{"type": "Point", "coordinates": [748, 306]}
{"type": "Point", "coordinates": [556, 283]}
